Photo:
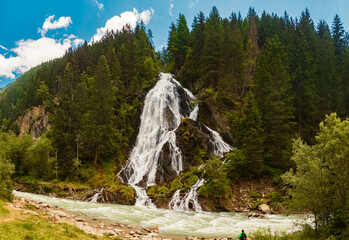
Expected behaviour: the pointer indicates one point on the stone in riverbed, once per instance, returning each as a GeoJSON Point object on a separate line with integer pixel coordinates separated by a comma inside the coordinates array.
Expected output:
{"type": "Point", "coordinates": [264, 208]}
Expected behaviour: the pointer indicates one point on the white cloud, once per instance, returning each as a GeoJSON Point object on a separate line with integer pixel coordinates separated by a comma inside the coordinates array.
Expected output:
{"type": "Point", "coordinates": [31, 53]}
{"type": "Point", "coordinates": [3, 47]}
{"type": "Point", "coordinates": [77, 42]}
{"type": "Point", "coordinates": [117, 22]}
{"type": "Point", "coordinates": [192, 3]}
{"type": "Point", "coordinates": [100, 5]}
{"type": "Point", "coordinates": [171, 7]}
{"type": "Point", "coordinates": [62, 22]}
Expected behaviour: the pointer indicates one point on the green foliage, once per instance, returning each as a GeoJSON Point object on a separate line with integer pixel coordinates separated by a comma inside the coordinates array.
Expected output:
{"type": "Point", "coordinates": [249, 135]}
{"type": "Point", "coordinates": [255, 195]}
{"type": "Point", "coordinates": [236, 164]}
{"type": "Point", "coordinates": [156, 192]}
{"type": "Point", "coordinates": [216, 183]}
{"type": "Point", "coordinates": [274, 196]}
{"type": "Point", "coordinates": [6, 170]}
{"type": "Point", "coordinates": [175, 185]}
{"type": "Point", "coordinates": [321, 174]}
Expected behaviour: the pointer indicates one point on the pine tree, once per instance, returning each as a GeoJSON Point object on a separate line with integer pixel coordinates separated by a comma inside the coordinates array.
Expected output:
{"type": "Point", "coordinates": [212, 50]}
{"type": "Point", "coordinates": [275, 100]}
{"type": "Point", "coordinates": [67, 120]}
{"type": "Point", "coordinates": [303, 67]}
{"type": "Point", "coordinates": [327, 77]}
{"type": "Point", "coordinates": [339, 38]}
{"type": "Point", "coordinates": [99, 120]}
{"type": "Point", "coordinates": [234, 61]}
{"type": "Point", "coordinates": [249, 134]}
{"type": "Point", "coordinates": [178, 43]}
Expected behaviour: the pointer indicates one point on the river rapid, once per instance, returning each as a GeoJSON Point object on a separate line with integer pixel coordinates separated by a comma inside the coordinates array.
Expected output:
{"type": "Point", "coordinates": [170, 222]}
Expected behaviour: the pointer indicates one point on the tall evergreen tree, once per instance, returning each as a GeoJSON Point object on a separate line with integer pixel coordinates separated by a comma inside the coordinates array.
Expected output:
{"type": "Point", "coordinates": [212, 64]}
{"type": "Point", "coordinates": [303, 67]}
{"type": "Point", "coordinates": [249, 134]}
{"type": "Point", "coordinates": [339, 38]}
{"type": "Point", "coordinates": [99, 120]}
{"type": "Point", "coordinates": [327, 78]}
{"type": "Point", "coordinates": [275, 100]}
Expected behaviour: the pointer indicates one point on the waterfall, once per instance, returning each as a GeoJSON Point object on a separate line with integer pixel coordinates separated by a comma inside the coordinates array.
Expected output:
{"type": "Point", "coordinates": [190, 198]}
{"type": "Point", "coordinates": [96, 196]}
{"type": "Point", "coordinates": [162, 114]}
{"type": "Point", "coordinates": [220, 147]}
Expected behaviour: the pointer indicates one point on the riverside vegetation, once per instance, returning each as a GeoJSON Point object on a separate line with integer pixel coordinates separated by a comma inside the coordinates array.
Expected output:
{"type": "Point", "coordinates": [264, 80]}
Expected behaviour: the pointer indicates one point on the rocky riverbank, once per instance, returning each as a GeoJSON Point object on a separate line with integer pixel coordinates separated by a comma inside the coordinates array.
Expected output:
{"type": "Point", "coordinates": [95, 226]}
{"type": "Point", "coordinates": [247, 195]}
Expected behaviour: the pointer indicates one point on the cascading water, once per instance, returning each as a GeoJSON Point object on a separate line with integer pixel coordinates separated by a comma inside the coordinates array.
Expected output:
{"type": "Point", "coordinates": [220, 147]}
{"type": "Point", "coordinates": [162, 114]}
{"type": "Point", "coordinates": [96, 196]}
{"type": "Point", "coordinates": [190, 200]}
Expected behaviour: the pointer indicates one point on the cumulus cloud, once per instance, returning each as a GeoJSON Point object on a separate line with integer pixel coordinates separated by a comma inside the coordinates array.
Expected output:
{"type": "Point", "coordinates": [100, 5]}
{"type": "Point", "coordinates": [31, 53]}
{"type": "Point", "coordinates": [117, 22]}
{"type": "Point", "coordinates": [3, 47]}
{"type": "Point", "coordinates": [171, 7]}
{"type": "Point", "coordinates": [62, 22]}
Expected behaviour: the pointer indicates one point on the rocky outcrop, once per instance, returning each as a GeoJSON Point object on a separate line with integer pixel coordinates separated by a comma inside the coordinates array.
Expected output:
{"type": "Point", "coordinates": [34, 122]}
{"type": "Point", "coordinates": [209, 116]}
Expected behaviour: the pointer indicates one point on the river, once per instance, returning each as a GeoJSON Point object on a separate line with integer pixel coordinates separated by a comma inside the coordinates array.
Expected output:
{"type": "Point", "coordinates": [203, 224]}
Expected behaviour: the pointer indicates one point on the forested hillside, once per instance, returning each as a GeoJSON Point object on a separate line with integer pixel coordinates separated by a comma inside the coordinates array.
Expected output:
{"type": "Point", "coordinates": [274, 78]}
{"type": "Point", "coordinates": [93, 97]}
{"type": "Point", "coordinates": [261, 81]}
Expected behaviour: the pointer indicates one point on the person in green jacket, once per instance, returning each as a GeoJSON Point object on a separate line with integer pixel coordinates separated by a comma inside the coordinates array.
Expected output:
{"type": "Point", "coordinates": [242, 235]}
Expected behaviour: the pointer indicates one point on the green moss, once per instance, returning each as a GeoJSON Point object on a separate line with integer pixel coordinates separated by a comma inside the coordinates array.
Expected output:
{"type": "Point", "coordinates": [175, 185]}
{"type": "Point", "coordinates": [158, 192]}
{"type": "Point", "coordinates": [190, 179]}
{"type": "Point", "coordinates": [127, 191]}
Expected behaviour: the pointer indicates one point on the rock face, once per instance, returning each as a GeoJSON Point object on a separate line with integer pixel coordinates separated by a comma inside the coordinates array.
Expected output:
{"type": "Point", "coordinates": [33, 122]}
{"type": "Point", "coordinates": [264, 208]}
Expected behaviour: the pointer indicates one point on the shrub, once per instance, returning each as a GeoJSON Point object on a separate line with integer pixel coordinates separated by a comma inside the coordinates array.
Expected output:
{"type": "Point", "coordinates": [255, 195]}
{"type": "Point", "coordinates": [274, 196]}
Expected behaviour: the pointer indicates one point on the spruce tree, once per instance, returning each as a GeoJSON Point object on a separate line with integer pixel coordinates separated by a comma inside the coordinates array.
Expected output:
{"type": "Point", "coordinates": [275, 100]}
{"type": "Point", "coordinates": [212, 63]}
{"type": "Point", "coordinates": [99, 121]}
{"type": "Point", "coordinates": [250, 135]}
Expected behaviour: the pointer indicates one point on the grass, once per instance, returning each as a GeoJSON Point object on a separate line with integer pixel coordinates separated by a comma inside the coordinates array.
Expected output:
{"type": "Point", "coordinates": [4, 212]}
{"type": "Point", "coordinates": [31, 227]}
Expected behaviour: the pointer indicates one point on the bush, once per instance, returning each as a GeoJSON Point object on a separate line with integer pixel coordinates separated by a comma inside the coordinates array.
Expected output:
{"type": "Point", "coordinates": [255, 195]}
{"type": "Point", "coordinates": [216, 182]}
{"type": "Point", "coordinates": [175, 185]}
{"type": "Point", "coordinates": [274, 196]}
{"type": "Point", "coordinates": [6, 170]}
{"type": "Point", "coordinates": [236, 164]}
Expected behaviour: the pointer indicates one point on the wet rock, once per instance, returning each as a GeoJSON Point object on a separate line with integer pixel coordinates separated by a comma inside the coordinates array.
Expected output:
{"type": "Point", "coordinates": [264, 208]}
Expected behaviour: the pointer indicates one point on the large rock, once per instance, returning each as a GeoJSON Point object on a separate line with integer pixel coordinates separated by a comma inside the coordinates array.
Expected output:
{"type": "Point", "coordinates": [33, 122]}
{"type": "Point", "coordinates": [264, 208]}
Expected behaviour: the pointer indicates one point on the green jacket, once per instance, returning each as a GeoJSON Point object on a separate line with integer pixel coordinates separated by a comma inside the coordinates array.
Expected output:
{"type": "Point", "coordinates": [242, 236]}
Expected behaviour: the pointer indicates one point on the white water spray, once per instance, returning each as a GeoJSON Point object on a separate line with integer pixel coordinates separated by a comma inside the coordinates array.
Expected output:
{"type": "Point", "coordinates": [96, 196]}
{"type": "Point", "coordinates": [220, 147]}
{"type": "Point", "coordinates": [189, 201]}
{"type": "Point", "coordinates": [161, 116]}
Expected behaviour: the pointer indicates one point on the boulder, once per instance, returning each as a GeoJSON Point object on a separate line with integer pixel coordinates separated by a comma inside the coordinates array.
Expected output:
{"type": "Point", "coordinates": [264, 208]}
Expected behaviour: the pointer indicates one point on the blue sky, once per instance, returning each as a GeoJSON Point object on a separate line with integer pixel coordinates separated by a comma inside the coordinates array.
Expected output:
{"type": "Point", "coordinates": [39, 30]}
